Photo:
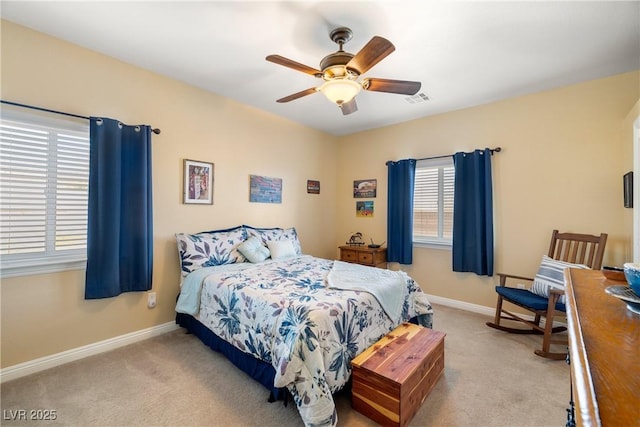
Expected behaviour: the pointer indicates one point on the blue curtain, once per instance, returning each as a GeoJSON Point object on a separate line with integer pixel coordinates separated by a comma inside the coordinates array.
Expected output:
{"type": "Point", "coordinates": [473, 213]}
{"type": "Point", "coordinates": [401, 177]}
{"type": "Point", "coordinates": [120, 222]}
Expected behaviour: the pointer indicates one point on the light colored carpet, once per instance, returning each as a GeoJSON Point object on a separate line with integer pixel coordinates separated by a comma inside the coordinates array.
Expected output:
{"type": "Point", "coordinates": [491, 379]}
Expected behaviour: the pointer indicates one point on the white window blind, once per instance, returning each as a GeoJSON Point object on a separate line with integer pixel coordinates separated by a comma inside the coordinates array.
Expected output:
{"type": "Point", "coordinates": [433, 201]}
{"type": "Point", "coordinates": [44, 175]}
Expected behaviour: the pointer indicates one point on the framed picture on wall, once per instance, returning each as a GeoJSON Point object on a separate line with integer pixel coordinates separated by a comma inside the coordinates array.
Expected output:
{"type": "Point", "coordinates": [627, 185]}
{"type": "Point", "coordinates": [365, 188]}
{"type": "Point", "coordinates": [264, 189]}
{"type": "Point", "coordinates": [313, 187]}
{"type": "Point", "coordinates": [198, 182]}
{"type": "Point", "coordinates": [364, 209]}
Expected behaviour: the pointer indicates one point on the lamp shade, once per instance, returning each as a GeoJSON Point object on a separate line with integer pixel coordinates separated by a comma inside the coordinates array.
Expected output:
{"type": "Point", "coordinates": [340, 91]}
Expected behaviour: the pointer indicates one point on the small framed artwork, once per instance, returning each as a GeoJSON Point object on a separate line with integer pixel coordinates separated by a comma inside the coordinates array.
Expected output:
{"type": "Point", "coordinates": [313, 187]}
{"type": "Point", "coordinates": [627, 181]}
{"type": "Point", "coordinates": [364, 209]}
{"type": "Point", "coordinates": [198, 182]}
{"type": "Point", "coordinates": [263, 189]}
{"type": "Point", "coordinates": [365, 188]}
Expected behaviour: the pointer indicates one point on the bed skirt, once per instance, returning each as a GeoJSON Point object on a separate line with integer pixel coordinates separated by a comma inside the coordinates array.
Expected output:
{"type": "Point", "coordinates": [261, 371]}
{"type": "Point", "coordinates": [257, 369]}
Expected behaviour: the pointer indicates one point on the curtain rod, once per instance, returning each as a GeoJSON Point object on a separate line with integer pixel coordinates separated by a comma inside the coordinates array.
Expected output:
{"type": "Point", "coordinates": [154, 130]}
{"type": "Point", "coordinates": [493, 150]}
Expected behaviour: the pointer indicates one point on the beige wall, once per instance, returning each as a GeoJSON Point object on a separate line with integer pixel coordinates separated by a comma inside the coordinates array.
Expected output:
{"type": "Point", "coordinates": [46, 314]}
{"type": "Point", "coordinates": [561, 167]}
{"type": "Point", "coordinates": [632, 120]}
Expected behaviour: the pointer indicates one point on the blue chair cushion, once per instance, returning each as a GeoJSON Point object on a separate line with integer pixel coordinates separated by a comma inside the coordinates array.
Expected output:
{"type": "Point", "coordinates": [526, 298]}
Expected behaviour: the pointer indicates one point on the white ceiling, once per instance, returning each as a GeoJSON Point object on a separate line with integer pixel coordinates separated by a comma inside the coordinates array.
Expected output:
{"type": "Point", "coordinates": [465, 53]}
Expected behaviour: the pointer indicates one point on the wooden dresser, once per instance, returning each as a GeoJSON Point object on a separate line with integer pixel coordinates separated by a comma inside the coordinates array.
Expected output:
{"type": "Point", "coordinates": [374, 257]}
{"type": "Point", "coordinates": [604, 350]}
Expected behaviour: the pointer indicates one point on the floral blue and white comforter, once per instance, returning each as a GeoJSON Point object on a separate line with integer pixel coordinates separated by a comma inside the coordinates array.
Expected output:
{"type": "Point", "coordinates": [283, 313]}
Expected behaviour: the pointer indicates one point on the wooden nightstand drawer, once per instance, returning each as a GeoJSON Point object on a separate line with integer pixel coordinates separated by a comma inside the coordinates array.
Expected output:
{"type": "Point", "coordinates": [348, 255]}
{"type": "Point", "coordinates": [374, 257]}
{"type": "Point", "coordinates": [365, 258]}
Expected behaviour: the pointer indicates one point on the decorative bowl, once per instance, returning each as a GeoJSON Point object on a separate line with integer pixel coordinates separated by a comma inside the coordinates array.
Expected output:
{"type": "Point", "coordinates": [614, 273]}
{"type": "Point", "coordinates": [625, 293]}
{"type": "Point", "coordinates": [632, 273]}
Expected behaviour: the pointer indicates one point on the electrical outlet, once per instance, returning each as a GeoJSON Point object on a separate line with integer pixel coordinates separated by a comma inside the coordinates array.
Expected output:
{"type": "Point", "coordinates": [520, 285]}
{"type": "Point", "coordinates": [151, 299]}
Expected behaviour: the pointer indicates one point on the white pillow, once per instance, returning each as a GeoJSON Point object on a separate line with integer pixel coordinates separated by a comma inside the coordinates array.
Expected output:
{"type": "Point", "coordinates": [266, 234]}
{"type": "Point", "coordinates": [551, 276]}
{"type": "Point", "coordinates": [281, 249]}
{"type": "Point", "coordinates": [253, 250]}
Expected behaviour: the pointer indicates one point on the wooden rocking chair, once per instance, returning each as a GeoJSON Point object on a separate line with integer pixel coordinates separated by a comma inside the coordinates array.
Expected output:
{"type": "Point", "coordinates": [571, 248]}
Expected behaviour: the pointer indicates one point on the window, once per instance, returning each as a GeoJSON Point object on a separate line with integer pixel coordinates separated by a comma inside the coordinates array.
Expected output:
{"type": "Point", "coordinates": [433, 202]}
{"type": "Point", "coordinates": [44, 177]}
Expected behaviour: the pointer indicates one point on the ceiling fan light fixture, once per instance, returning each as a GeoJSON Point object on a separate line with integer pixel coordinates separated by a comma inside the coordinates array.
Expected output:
{"type": "Point", "coordinates": [341, 70]}
{"type": "Point", "coordinates": [340, 91]}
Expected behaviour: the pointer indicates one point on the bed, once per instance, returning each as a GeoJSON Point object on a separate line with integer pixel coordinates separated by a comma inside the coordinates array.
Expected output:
{"type": "Point", "coordinates": [292, 321]}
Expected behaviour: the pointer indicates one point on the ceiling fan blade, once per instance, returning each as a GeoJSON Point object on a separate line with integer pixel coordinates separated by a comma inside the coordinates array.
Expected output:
{"type": "Point", "coordinates": [373, 52]}
{"type": "Point", "coordinates": [403, 87]}
{"type": "Point", "coordinates": [281, 60]}
{"type": "Point", "coordinates": [298, 95]}
{"type": "Point", "coordinates": [349, 107]}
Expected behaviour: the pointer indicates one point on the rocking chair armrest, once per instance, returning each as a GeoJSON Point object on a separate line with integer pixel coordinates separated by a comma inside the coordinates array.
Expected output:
{"type": "Point", "coordinates": [554, 297]}
{"type": "Point", "coordinates": [505, 276]}
{"type": "Point", "coordinates": [556, 291]}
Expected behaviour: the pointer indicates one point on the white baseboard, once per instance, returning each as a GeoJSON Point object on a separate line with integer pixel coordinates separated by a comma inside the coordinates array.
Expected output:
{"type": "Point", "coordinates": [31, 367]}
{"type": "Point", "coordinates": [480, 309]}
{"type": "Point", "coordinates": [467, 306]}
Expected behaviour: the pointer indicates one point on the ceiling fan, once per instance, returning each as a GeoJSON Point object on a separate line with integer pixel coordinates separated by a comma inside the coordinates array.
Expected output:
{"type": "Point", "coordinates": [340, 71]}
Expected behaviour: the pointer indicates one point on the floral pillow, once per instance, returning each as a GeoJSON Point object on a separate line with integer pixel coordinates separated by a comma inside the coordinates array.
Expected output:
{"type": "Point", "coordinates": [210, 248]}
{"type": "Point", "coordinates": [269, 234]}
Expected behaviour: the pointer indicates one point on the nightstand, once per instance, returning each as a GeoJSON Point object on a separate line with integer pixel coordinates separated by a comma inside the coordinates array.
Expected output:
{"type": "Point", "coordinates": [373, 257]}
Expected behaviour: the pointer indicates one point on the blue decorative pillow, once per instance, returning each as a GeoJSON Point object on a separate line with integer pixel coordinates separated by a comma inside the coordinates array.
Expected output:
{"type": "Point", "coordinates": [253, 250]}
{"type": "Point", "coordinates": [551, 276]}
{"type": "Point", "coordinates": [210, 248]}
{"type": "Point", "coordinates": [267, 234]}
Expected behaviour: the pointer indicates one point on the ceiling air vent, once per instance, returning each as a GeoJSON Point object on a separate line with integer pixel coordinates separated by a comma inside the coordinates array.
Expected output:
{"type": "Point", "coordinates": [418, 98]}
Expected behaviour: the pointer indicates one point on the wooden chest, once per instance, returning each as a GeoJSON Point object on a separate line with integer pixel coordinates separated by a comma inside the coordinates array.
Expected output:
{"type": "Point", "coordinates": [393, 377]}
